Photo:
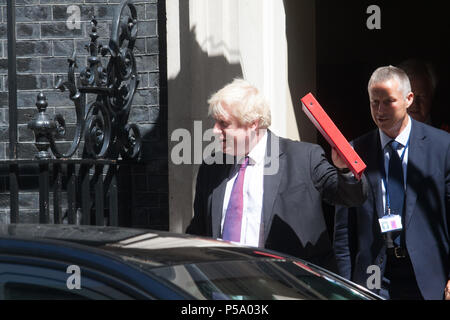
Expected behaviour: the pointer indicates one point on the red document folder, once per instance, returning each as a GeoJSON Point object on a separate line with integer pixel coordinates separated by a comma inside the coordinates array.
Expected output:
{"type": "Point", "coordinates": [332, 134]}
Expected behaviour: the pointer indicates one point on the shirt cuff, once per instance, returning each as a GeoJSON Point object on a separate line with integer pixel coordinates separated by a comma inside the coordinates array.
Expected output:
{"type": "Point", "coordinates": [347, 175]}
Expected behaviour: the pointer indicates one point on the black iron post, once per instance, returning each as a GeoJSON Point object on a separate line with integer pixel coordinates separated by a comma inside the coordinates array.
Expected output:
{"type": "Point", "coordinates": [12, 101]}
{"type": "Point", "coordinates": [12, 76]}
{"type": "Point", "coordinates": [43, 127]}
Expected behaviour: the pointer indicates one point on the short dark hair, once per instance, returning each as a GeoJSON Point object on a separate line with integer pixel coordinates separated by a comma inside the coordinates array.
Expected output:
{"type": "Point", "coordinates": [419, 68]}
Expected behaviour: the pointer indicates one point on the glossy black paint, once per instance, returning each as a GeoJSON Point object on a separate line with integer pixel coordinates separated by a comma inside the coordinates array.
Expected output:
{"type": "Point", "coordinates": [125, 258]}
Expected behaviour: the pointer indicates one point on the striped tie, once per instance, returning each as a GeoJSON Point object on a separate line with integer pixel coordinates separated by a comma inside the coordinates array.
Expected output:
{"type": "Point", "coordinates": [233, 217]}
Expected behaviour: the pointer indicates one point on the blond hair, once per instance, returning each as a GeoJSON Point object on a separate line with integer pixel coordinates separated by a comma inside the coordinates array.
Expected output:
{"type": "Point", "coordinates": [245, 101]}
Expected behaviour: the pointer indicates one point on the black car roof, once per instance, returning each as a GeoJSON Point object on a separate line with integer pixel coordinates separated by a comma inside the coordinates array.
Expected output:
{"type": "Point", "coordinates": [153, 248]}
{"type": "Point", "coordinates": [140, 247]}
{"type": "Point", "coordinates": [93, 235]}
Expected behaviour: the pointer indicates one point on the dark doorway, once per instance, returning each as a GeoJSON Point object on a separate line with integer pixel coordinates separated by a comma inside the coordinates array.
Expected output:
{"type": "Point", "coordinates": [348, 52]}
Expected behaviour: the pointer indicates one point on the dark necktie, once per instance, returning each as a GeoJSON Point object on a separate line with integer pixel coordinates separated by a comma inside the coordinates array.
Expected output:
{"type": "Point", "coordinates": [233, 217]}
{"type": "Point", "coordinates": [395, 183]}
{"type": "Point", "coordinates": [395, 180]}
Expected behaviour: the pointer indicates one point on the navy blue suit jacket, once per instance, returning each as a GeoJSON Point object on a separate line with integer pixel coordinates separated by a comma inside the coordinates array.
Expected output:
{"type": "Point", "coordinates": [358, 240]}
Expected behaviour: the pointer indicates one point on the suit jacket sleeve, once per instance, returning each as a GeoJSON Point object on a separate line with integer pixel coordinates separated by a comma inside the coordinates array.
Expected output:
{"type": "Point", "coordinates": [198, 225]}
{"type": "Point", "coordinates": [342, 229]}
{"type": "Point", "coordinates": [336, 188]}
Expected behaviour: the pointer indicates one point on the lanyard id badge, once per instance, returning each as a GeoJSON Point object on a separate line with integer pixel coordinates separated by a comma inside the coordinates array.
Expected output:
{"type": "Point", "coordinates": [390, 223]}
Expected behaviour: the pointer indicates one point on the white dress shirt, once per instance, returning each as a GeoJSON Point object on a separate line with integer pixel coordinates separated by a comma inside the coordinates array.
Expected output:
{"type": "Point", "coordinates": [253, 190]}
{"type": "Point", "coordinates": [402, 138]}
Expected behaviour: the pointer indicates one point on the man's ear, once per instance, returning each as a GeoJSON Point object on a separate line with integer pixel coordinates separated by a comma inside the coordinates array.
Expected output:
{"type": "Point", "coordinates": [254, 125]}
{"type": "Point", "coordinates": [409, 99]}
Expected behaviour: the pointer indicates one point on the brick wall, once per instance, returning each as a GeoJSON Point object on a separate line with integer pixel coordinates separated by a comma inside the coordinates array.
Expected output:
{"type": "Point", "coordinates": [44, 42]}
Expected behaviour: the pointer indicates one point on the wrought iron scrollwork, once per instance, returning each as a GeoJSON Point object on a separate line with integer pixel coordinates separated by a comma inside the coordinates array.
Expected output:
{"type": "Point", "coordinates": [103, 124]}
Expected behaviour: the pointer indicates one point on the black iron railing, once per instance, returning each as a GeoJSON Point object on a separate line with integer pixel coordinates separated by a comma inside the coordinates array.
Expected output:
{"type": "Point", "coordinates": [90, 186]}
{"type": "Point", "coordinates": [109, 141]}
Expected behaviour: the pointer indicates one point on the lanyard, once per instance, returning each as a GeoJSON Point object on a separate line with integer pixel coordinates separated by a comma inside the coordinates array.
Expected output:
{"type": "Point", "coordinates": [388, 202]}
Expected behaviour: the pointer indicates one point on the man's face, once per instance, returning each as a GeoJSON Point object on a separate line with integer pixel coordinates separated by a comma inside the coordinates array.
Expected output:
{"type": "Point", "coordinates": [236, 139]}
{"type": "Point", "coordinates": [421, 106]}
{"type": "Point", "coordinates": [388, 107]}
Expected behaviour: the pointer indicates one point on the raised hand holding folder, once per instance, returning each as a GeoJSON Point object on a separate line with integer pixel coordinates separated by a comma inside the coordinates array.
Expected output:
{"type": "Point", "coordinates": [331, 133]}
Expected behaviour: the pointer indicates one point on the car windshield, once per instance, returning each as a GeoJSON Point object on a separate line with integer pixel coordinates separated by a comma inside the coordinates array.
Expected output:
{"type": "Point", "coordinates": [255, 280]}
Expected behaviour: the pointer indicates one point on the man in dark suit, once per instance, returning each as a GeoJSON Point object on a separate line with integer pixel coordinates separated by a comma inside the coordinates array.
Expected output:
{"type": "Point", "coordinates": [425, 108]}
{"type": "Point", "coordinates": [269, 195]}
{"type": "Point", "coordinates": [423, 84]}
{"type": "Point", "coordinates": [413, 260]}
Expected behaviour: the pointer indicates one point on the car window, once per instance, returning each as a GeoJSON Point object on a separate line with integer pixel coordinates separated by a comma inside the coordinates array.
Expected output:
{"type": "Point", "coordinates": [26, 291]}
{"type": "Point", "coordinates": [252, 280]}
{"type": "Point", "coordinates": [30, 282]}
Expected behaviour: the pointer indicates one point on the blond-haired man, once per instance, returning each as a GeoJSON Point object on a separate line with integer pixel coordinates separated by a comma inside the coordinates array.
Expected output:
{"type": "Point", "coordinates": [272, 195]}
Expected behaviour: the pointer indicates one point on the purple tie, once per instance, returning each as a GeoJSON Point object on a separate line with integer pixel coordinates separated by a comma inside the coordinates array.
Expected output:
{"type": "Point", "coordinates": [233, 217]}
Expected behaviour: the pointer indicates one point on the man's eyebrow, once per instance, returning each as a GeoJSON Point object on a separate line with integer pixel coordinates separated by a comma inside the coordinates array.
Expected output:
{"type": "Point", "coordinates": [222, 121]}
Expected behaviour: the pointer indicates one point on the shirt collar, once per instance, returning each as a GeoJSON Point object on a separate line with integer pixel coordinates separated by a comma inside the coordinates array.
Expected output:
{"type": "Point", "coordinates": [258, 153]}
{"type": "Point", "coordinates": [402, 138]}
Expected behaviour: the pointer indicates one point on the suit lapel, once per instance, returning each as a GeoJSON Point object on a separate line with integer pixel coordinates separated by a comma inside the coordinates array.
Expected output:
{"type": "Point", "coordinates": [374, 169]}
{"type": "Point", "coordinates": [217, 207]}
{"type": "Point", "coordinates": [273, 170]}
{"type": "Point", "coordinates": [416, 160]}
{"type": "Point", "coordinates": [274, 164]}
{"type": "Point", "coordinates": [218, 195]}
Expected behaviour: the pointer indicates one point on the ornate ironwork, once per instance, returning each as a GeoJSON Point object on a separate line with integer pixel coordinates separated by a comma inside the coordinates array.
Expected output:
{"type": "Point", "coordinates": [104, 123]}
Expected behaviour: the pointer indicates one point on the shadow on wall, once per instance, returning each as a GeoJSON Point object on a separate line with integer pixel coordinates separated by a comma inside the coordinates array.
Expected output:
{"type": "Point", "coordinates": [145, 186]}
{"type": "Point", "coordinates": [300, 36]}
{"type": "Point", "coordinates": [200, 75]}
